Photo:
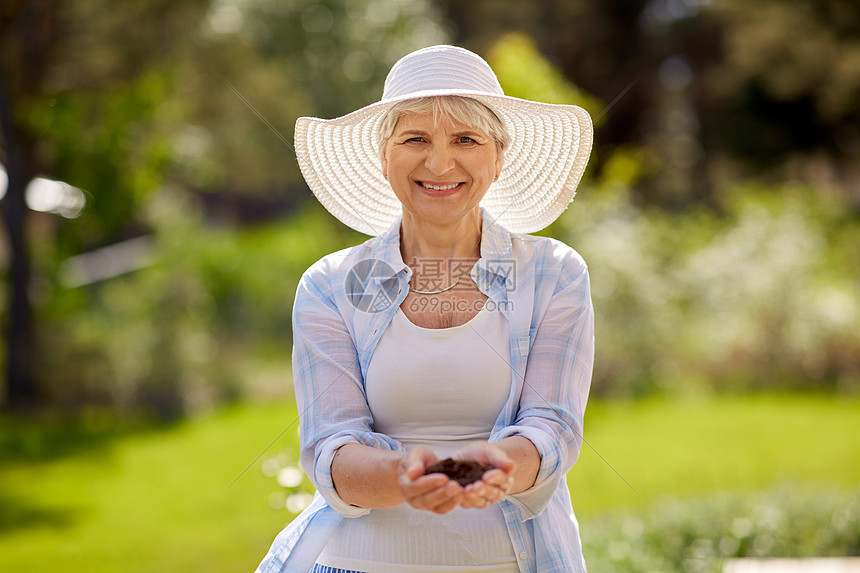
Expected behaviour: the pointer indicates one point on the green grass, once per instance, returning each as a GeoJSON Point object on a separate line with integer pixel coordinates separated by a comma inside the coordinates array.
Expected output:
{"type": "Point", "coordinates": [684, 448]}
{"type": "Point", "coordinates": [162, 500]}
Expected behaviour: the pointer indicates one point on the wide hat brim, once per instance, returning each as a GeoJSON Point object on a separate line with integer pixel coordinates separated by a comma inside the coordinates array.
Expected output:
{"type": "Point", "coordinates": [549, 150]}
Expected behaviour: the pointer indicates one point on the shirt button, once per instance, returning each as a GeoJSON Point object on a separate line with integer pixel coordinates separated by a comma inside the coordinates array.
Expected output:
{"type": "Point", "coordinates": [524, 555]}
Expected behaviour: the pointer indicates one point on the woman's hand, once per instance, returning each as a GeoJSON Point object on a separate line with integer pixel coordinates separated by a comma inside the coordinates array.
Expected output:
{"type": "Point", "coordinates": [434, 492]}
{"type": "Point", "coordinates": [495, 484]}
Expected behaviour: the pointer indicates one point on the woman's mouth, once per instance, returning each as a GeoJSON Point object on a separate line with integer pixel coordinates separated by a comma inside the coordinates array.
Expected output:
{"type": "Point", "coordinates": [439, 186]}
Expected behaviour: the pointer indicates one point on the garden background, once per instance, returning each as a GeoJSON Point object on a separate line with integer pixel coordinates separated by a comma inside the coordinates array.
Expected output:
{"type": "Point", "coordinates": [155, 226]}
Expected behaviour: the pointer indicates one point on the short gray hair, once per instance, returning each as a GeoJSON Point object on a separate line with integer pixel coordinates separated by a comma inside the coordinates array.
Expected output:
{"type": "Point", "coordinates": [465, 110]}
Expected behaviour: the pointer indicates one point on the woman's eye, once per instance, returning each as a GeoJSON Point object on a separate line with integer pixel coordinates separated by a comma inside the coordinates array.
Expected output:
{"type": "Point", "coordinates": [465, 139]}
{"type": "Point", "coordinates": [415, 139]}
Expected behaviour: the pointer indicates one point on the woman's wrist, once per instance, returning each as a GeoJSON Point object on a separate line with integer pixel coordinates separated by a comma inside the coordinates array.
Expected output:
{"type": "Point", "coordinates": [526, 460]}
{"type": "Point", "coordinates": [367, 477]}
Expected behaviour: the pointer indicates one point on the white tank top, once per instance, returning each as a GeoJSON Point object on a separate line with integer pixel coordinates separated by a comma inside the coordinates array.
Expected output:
{"type": "Point", "coordinates": [440, 388]}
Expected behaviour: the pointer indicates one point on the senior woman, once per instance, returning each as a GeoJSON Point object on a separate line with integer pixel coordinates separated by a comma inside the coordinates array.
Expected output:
{"type": "Point", "coordinates": [450, 334]}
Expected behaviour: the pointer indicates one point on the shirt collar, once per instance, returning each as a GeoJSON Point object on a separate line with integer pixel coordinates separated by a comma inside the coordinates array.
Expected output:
{"type": "Point", "coordinates": [495, 239]}
{"type": "Point", "coordinates": [495, 246]}
{"type": "Point", "coordinates": [495, 272]}
{"type": "Point", "coordinates": [387, 247]}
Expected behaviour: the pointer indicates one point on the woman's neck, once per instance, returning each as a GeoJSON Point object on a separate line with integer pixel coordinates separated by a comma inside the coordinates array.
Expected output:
{"type": "Point", "coordinates": [420, 239]}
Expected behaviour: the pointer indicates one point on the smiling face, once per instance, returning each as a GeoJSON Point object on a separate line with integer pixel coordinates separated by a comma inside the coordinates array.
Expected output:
{"type": "Point", "coordinates": [439, 168]}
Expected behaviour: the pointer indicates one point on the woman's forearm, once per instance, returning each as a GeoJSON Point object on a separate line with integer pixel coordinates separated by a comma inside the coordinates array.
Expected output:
{"type": "Point", "coordinates": [526, 460]}
{"type": "Point", "coordinates": [367, 477]}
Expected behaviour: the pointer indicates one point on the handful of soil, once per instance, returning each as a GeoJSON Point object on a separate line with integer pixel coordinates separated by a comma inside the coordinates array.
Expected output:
{"type": "Point", "coordinates": [463, 472]}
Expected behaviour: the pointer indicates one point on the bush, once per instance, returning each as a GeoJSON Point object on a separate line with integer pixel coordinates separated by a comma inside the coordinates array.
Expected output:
{"type": "Point", "coordinates": [698, 536]}
{"type": "Point", "coordinates": [193, 328]}
{"type": "Point", "coordinates": [761, 295]}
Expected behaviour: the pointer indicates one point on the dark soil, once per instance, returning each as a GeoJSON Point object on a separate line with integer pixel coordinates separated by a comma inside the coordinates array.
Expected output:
{"type": "Point", "coordinates": [463, 472]}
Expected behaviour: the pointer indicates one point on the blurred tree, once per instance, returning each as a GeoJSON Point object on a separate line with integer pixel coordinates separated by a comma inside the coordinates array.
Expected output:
{"type": "Point", "coordinates": [672, 310]}
{"type": "Point", "coordinates": [284, 60]}
{"type": "Point", "coordinates": [525, 73]}
{"type": "Point", "coordinates": [78, 85]}
{"type": "Point", "coordinates": [123, 101]}
{"type": "Point", "coordinates": [787, 86]}
{"type": "Point", "coordinates": [716, 89]}
{"type": "Point", "coordinates": [605, 48]}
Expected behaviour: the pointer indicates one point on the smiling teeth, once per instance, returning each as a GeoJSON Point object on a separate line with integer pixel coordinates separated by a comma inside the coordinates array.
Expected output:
{"type": "Point", "coordinates": [439, 187]}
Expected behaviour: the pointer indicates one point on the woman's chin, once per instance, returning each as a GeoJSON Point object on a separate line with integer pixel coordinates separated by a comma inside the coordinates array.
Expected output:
{"type": "Point", "coordinates": [439, 213]}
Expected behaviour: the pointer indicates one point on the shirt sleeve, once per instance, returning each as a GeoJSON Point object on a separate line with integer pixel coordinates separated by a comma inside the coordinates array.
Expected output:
{"type": "Point", "coordinates": [332, 406]}
{"type": "Point", "coordinates": [556, 383]}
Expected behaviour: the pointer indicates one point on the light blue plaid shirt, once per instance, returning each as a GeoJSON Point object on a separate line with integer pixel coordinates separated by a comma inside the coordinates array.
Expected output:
{"type": "Point", "coordinates": [343, 306]}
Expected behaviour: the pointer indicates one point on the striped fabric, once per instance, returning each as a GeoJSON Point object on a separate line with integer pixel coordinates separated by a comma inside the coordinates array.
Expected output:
{"type": "Point", "coordinates": [323, 569]}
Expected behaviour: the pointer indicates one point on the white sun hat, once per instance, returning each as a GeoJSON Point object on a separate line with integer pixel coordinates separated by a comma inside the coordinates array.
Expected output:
{"type": "Point", "coordinates": [549, 149]}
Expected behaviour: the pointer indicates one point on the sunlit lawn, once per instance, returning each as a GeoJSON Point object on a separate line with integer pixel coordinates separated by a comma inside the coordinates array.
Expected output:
{"type": "Point", "coordinates": [158, 501]}
{"type": "Point", "coordinates": [163, 500]}
{"type": "Point", "coordinates": [684, 448]}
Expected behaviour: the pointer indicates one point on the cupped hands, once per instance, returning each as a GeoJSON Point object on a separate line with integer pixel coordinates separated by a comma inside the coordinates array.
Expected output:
{"type": "Point", "coordinates": [440, 494]}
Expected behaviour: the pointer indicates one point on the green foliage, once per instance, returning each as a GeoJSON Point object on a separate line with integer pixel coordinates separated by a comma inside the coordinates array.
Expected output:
{"type": "Point", "coordinates": [758, 49]}
{"type": "Point", "coordinates": [110, 143]}
{"type": "Point", "coordinates": [260, 65]}
{"type": "Point", "coordinates": [157, 96]}
{"type": "Point", "coordinates": [201, 323]}
{"type": "Point", "coordinates": [525, 73]}
{"type": "Point", "coordinates": [759, 293]}
{"type": "Point", "coordinates": [338, 50]}
{"type": "Point", "coordinates": [698, 536]}
{"type": "Point", "coordinates": [763, 294]}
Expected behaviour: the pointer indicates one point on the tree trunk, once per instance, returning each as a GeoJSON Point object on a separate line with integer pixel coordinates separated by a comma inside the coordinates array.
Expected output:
{"type": "Point", "coordinates": [28, 37]}
{"type": "Point", "coordinates": [20, 384]}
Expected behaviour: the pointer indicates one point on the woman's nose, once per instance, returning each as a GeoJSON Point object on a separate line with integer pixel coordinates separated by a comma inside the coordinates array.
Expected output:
{"type": "Point", "coordinates": [439, 159]}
